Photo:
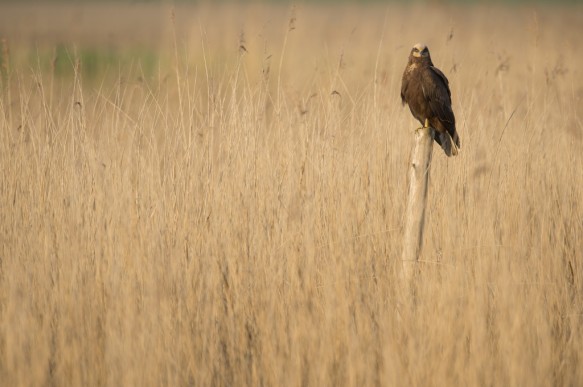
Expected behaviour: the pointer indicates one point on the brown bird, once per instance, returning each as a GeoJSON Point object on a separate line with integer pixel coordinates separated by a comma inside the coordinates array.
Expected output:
{"type": "Point", "coordinates": [426, 90]}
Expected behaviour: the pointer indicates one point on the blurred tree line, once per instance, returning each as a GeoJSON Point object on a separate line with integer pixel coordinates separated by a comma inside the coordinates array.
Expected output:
{"type": "Point", "coordinates": [550, 2]}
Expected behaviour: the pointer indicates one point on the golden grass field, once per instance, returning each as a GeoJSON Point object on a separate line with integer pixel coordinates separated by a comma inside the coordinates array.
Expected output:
{"type": "Point", "coordinates": [235, 216]}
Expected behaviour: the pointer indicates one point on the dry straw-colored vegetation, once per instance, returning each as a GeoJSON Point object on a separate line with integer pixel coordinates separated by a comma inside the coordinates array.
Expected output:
{"type": "Point", "coordinates": [235, 218]}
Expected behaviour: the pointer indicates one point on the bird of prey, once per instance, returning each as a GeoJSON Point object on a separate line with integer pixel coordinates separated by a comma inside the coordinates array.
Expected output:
{"type": "Point", "coordinates": [426, 90]}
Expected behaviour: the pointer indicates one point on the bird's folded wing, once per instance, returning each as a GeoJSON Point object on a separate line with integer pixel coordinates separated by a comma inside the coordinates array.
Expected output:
{"type": "Point", "coordinates": [436, 91]}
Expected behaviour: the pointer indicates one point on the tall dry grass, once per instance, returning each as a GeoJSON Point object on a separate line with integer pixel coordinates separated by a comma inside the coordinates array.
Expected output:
{"type": "Point", "coordinates": [237, 219]}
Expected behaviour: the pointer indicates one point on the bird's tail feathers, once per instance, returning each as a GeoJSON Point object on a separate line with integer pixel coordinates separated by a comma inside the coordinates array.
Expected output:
{"type": "Point", "coordinates": [455, 145]}
{"type": "Point", "coordinates": [456, 140]}
{"type": "Point", "coordinates": [451, 148]}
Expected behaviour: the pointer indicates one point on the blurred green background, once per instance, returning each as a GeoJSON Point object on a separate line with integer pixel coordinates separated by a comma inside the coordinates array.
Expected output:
{"type": "Point", "coordinates": [106, 36]}
{"type": "Point", "coordinates": [549, 2]}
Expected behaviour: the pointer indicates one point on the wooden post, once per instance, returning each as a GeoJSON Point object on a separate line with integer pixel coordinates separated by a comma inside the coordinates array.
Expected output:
{"type": "Point", "coordinates": [415, 212]}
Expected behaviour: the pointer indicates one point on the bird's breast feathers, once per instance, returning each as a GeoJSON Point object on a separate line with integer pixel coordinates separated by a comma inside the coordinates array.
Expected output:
{"type": "Point", "coordinates": [412, 67]}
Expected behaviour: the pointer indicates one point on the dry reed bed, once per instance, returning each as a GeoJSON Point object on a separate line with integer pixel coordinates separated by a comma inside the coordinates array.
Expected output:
{"type": "Point", "coordinates": [237, 220]}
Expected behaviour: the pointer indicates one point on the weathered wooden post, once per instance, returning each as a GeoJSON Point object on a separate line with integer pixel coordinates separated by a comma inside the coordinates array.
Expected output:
{"type": "Point", "coordinates": [415, 212]}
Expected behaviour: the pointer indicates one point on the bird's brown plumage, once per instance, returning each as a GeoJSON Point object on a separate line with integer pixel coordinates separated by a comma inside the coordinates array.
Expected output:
{"type": "Point", "coordinates": [426, 90]}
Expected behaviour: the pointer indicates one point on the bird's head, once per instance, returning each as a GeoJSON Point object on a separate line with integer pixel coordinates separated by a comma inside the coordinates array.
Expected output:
{"type": "Point", "coordinates": [420, 52]}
